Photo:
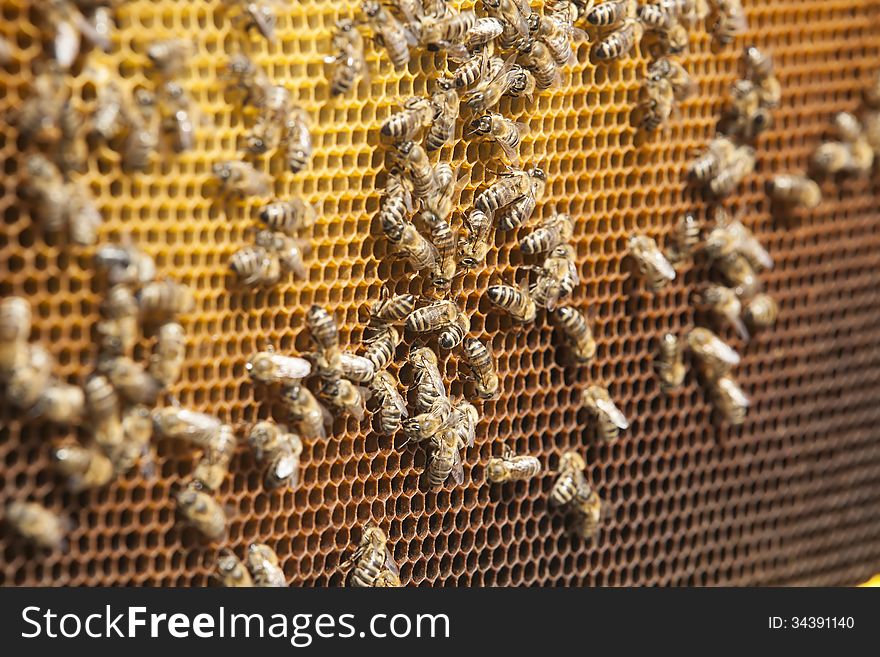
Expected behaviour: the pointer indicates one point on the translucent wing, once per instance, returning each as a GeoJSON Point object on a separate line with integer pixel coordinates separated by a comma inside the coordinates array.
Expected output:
{"type": "Point", "coordinates": [67, 43]}
{"type": "Point", "coordinates": [457, 469]}
{"type": "Point", "coordinates": [292, 367]}
{"type": "Point", "coordinates": [612, 413]}
{"type": "Point", "coordinates": [733, 391]}
{"type": "Point", "coordinates": [718, 349]}
{"type": "Point", "coordinates": [399, 403]}
{"type": "Point", "coordinates": [658, 261]}
{"type": "Point", "coordinates": [390, 564]}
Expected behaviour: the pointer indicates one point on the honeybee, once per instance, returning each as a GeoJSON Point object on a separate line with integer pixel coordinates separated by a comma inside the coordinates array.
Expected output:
{"type": "Point", "coordinates": [177, 423]}
{"type": "Point", "coordinates": [669, 362]}
{"type": "Point", "coordinates": [759, 67]}
{"type": "Point", "coordinates": [141, 138]}
{"type": "Point", "coordinates": [554, 231]}
{"type": "Point", "coordinates": [297, 140]}
{"type": "Point", "coordinates": [274, 109]}
{"type": "Point", "coordinates": [431, 422]}
{"type": "Point", "coordinates": [745, 115]}
{"type": "Point", "coordinates": [426, 379]}
{"type": "Point", "coordinates": [392, 309]}
{"type": "Point", "coordinates": [131, 380]}
{"type": "Point", "coordinates": [83, 467]}
{"type": "Point", "coordinates": [391, 405]}
{"type": "Point", "coordinates": [241, 179]}
{"type": "Point", "coordinates": [464, 421]}
{"type": "Point", "coordinates": [504, 132]}
{"type": "Point", "coordinates": [255, 14]}
{"type": "Point", "coordinates": [740, 164]}
{"type": "Point", "coordinates": [416, 166]}
{"type": "Point", "coordinates": [60, 402]}
{"type": "Point", "coordinates": [683, 240]}
{"type": "Point", "coordinates": [84, 217]}
{"type": "Point", "coordinates": [269, 367]}
{"type": "Point", "coordinates": [134, 448]}
{"type": "Point", "coordinates": [389, 32]}
{"type": "Point", "coordinates": [72, 148]}
{"type": "Point", "coordinates": [345, 397]}
{"type": "Point", "coordinates": [729, 236]}
{"type": "Point", "coordinates": [417, 113]}
{"type": "Point", "coordinates": [444, 460]}
{"type": "Point", "coordinates": [289, 251]}
{"type": "Point", "coordinates": [557, 277]}
{"type": "Point", "coordinates": [795, 191]}
{"type": "Point", "coordinates": [256, 265]}
{"type": "Point", "coordinates": [445, 106]}
{"type": "Point", "coordinates": [169, 57]}
{"type": "Point", "coordinates": [370, 559]}
{"type": "Point", "coordinates": [472, 249]}
{"type": "Point", "coordinates": [571, 485]}
{"type": "Point", "coordinates": [381, 346]}
{"type": "Point", "coordinates": [125, 264]}
{"type": "Point", "coordinates": [348, 62]}
{"type": "Point", "coordinates": [483, 32]}
{"type": "Point", "coordinates": [663, 20]}
{"type": "Point", "coordinates": [102, 401]}
{"type": "Point", "coordinates": [453, 333]}
{"type": "Point", "coordinates": [537, 58]}
{"type": "Point", "coordinates": [657, 104]}
{"type": "Point", "coordinates": [761, 311]}
{"type": "Point", "coordinates": [444, 32]}
{"type": "Point", "coordinates": [514, 15]}
{"type": "Point", "coordinates": [202, 511]}
{"type": "Point", "coordinates": [651, 263]}
{"type": "Point", "coordinates": [437, 208]}
{"type": "Point", "coordinates": [279, 450]}
{"type": "Point", "coordinates": [834, 157]}
{"type": "Point", "coordinates": [730, 399]}
{"type": "Point", "coordinates": [713, 355]}
{"type": "Point", "coordinates": [356, 368]}
{"type": "Point", "coordinates": [166, 362]}
{"type": "Point", "coordinates": [514, 301]}
{"type": "Point", "coordinates": [30, 378]}
{"type": "Point", "coordinates": [481, 367]}
{"type": "Point", "coordinates": [231, 572]}
{"type": "Point", "coordinates": [323, 329]}
{"type": "Point", "coordinates": [444, 241]}
{"type": "Point", "coordinates": [288, 217]}
{"type": "Point", "coordinates": [510, 80]}
{"type": "Point", "coordinates": [724, 303]}
{"type": "Point", "coordinates": [479, 67]}
{"type": "Point", "coordinates": [306, 411]}
{"type": "Point", "coordinates": [40, 111]}
{"type": "Point", "coordinates": [557, 31]}
{"type": "Point", "coordinates": [164, 299]}
{"type": "Point", "coordinates": [177, 121]}
{"type": "Point", "coordinates": [107, 120]}
{"type": "Point", "coordinates": [432, 317]}
{"type": "Point", "coordinates": [213, 466]}
{"type": "Point", "coordinates": [609, 419]}
{"type": "Point", "coordinates": [730, 21]}
{"type": "Point", "coordinates": [247, 77]}
{"type": "Point", "coordinates": [15, 330]}
{"type": "Point", "coordinates": [45, 185]}
{"type": "Point", "coordinates": [719, 151]}
{"type": "Point", "coordinates": [612, 13]}
{"type": "Point", "coordinates": [621, 41]}
{"type": "Point", "coordinates": [511, 186]}
{"type": "Point", "coordinates": [578, 332]}
{"type": "Point", "coordinates": [265, 566]}
{"type": "Point", "coordinates": [417, 250]}
{"type": "Point", "coordinates": [738, 272]}
{"type": "Point", "coordinates": [590, 512]}
{"type": "Point", "coordinates": [37, 524]}
{"type": "Point", "coordinates": [512, 468]}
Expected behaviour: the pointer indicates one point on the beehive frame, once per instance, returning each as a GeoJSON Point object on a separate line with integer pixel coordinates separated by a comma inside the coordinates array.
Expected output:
{"type": "Point", "coordinates": [791, 498]}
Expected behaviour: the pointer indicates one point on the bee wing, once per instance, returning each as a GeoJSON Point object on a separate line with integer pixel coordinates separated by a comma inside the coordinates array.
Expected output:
{"type": "Point", "coordinates": [67, 43]}
{"type": "Point", "coordinates": [457, 469]}
{"type": "Point", "coordinates": [292, 367]}
{"type": "Point", "coordinates": [658, 261]}
{"type": "Point", "coordinates": [399, 403]}
{"type": "Point", "coordinates": [455, 51]}
{"type": "Point", "coordinates": [739, 326]}
{"type": "Point", "coordinates": [612, 413]}
{"type": "Point", "coordinates": [265, 23]}
{"type": "Point", "coordinates": [723, 352]}
{"type": "Point", "coordinates": [470, 434]}
{"type": "Point", "coordinates": [390, 563]}
{"type": "Point", "coordinates": [87, 29]}
{"type": "Point", "coordinates": [510, 152]}
{"type": "Point", "coordinates": [758, 252]}
{"type": "Point", "coordinates": [520, 22]}
{"type": "Point", "coordinates": [736, 393]}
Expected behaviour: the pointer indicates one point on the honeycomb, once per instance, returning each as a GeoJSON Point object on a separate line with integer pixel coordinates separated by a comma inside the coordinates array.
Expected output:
{"type": "Point", "coordinates": [792, 497]}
